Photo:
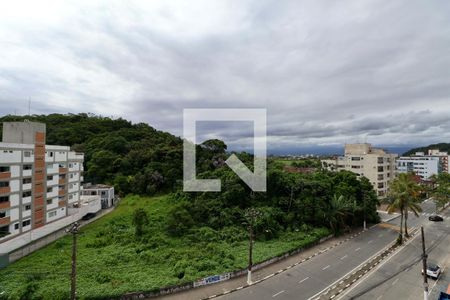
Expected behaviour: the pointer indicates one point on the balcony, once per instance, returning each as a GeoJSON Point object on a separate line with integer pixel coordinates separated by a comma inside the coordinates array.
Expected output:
{"type": "Point", "coordinates": [5, 221]}
{"type": "Point", "coordinates": [5, 204]}
{"type": "Point", "coordinates": [62, 170]}
{"type": "Point", "coordinates": [62, 181]}
{"type": "Point", "coordinates": [5, 190]}
{"type": "Point", "coordinates": [61, 192]}
{"type": "Point", "coordinates": [5, 175]}
{"type": "Point", "coordinates": [26, 200]}
{"type": "Point", "coordinates": [26, 186]}
{"type": "Point", "coordinates": [27, 173]}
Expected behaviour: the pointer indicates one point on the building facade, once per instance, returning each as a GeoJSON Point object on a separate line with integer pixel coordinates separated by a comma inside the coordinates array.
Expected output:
{"type": "Point", "coordinates": [38, 182]}
{"type": "Point", "coordinates": [424, 165]}
{"type": "Point", "coordinates": [364, 160]}
{"type": "Point", "coordinates": [106, 193]}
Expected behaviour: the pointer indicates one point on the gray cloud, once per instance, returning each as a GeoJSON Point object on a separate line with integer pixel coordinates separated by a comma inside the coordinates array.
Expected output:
{"type": "Point", "coordinates": [327, 72]}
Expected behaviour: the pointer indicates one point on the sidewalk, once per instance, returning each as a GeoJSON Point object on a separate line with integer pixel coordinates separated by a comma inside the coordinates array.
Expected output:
{"type": "Point", "coordinates": [209, 291]}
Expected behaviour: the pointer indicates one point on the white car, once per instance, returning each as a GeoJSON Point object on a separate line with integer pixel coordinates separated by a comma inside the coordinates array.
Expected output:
{"type": "Point", "coordinates": [433, 271]}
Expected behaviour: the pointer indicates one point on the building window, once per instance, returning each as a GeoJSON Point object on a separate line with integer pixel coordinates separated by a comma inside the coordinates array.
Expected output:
{"type": "Point", "coordinates": [355, 158]}
{"type": "Point", "coordinates": [380, 160]}
{"type": "Point", "coordinates": [4, 169]}
{"type": "Point", "coordinates": [380, 169]}
{"type": "Point", "coordinates": [71, 176]}
{"type": "Point", "coordinates": [27, 153]}
{"type": "Point", "coordinates": [27, 207]}
{"type": "Point", "coordinates": [26, 194]}
{"type": "Point", "coordinates": [4, 183]}
{"type": "Point", "coordinates": [4, 199]}
{"type": "Point", "coordinates": [49, 201]}
{"type": "Point", "coordinates": [26, 180]}
{"type": "Point", "coordinates": [27, 167]}
{"type": "Point", "coordinates": [52, 214]}
{"type": "Point", "coordinates": [51, 154]}
{"type": "Point", "coordinates": [50, 177]}
{"type": "Point", "coordinates": [26, 223]}
{"type": "Point", "coordinates": [70, 165]}
{"type": "Point", "coordinates": [16, 226]}
{"type": "Point", "coordinates": [4, 214]}
{"type": "Point", "coordinates": [50, 189]}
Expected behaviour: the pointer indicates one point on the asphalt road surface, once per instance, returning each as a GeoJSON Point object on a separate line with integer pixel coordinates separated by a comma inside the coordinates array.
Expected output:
{"type": "Point", "coordinates": [308, 279]}
{"type": "Point", "coordinates": [400, 276]}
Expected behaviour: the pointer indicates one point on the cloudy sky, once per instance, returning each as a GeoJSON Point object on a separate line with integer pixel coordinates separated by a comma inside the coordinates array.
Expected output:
{"type": "Point", "coordinates": [328, 72]}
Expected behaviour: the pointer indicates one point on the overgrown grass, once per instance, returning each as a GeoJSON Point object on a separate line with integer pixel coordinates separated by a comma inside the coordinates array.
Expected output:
{"type": "Point", "coordinates": [112, 261]}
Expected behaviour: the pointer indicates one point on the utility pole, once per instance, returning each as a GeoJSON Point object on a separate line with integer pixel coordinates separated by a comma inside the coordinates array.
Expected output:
{"type": "Point", "coordinates": [364, 210]}
{"type": "Point", "coordinates": [424, 267]}
{"type": "Point", "coordinates": [73, 277]}
{"type": "Point", "coordinates": [251, 215]}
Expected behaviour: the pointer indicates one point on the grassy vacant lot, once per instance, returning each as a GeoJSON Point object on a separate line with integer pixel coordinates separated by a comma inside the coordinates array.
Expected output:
{"type": "Point", "coordinates": [111, 261]}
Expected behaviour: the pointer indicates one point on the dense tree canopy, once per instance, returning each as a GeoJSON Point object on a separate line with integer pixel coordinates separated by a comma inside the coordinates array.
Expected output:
{"type": "Point", "coordinates": [139, 159]}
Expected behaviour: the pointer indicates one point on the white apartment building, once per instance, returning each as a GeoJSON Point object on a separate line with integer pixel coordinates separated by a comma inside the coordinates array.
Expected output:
{"type": "Point", "coordinates": [38, 182]}
{"type": "Point", "coordinates": [364, 160]}
{"type": "Point", "coordinates": [106, 193]}
{"type": "Point", "coordinates": [423, 165]}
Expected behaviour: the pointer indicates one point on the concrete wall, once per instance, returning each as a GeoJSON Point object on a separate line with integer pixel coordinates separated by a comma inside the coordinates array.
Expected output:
{"type": "Point", "coordinates": [21, 132]}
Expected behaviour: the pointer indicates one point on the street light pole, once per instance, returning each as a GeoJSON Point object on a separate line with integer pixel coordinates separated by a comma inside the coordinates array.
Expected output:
{"type": "Point", "coordinates": [73, 277]}
{"type": "Point", "coordinates": [424, 266]}
{"type": "Point", "coordinates": [251, 215]}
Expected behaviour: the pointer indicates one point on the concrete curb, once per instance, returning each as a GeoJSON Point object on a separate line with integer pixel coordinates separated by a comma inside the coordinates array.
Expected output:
{"type": "Point", "coordinates": [284, 269]}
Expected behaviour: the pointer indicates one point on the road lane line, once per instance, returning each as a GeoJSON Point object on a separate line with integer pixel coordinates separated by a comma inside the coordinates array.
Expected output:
{"type": "Point", "coordinates": [357, 249]}
{"type": "Point", "coordinates": [369, 242]}
{"type": "Point", "coordinates": [344, 257]}
{"type": "Point", "coordinates": [303, 280]}
{"type": "Point", "coordinates": [279, 293]}
{"type": "Point", "coordinates": [379, 297]}
{"type": "Point", "coordinates": [395, 281]}
{"type": "Point", "coordinates": [325, 268]}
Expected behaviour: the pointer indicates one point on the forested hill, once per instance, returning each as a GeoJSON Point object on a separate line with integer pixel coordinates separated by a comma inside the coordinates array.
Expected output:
{"type": "Point", "coordinates": [134, 157]}
{"type": "Point", "coordinates": [445, 147]}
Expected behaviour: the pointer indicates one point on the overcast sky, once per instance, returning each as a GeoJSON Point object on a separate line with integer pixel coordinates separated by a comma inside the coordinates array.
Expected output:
{"type": "Point", "coordinates": [328, 72]}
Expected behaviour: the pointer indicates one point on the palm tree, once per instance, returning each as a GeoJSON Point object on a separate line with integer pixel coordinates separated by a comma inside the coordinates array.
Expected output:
{"type": "Point", "coordinates": [337, 211]}
{"type": "Point", "coordinates": [395, 204]}
{"type": "Point", "coordinates": [404, 195]}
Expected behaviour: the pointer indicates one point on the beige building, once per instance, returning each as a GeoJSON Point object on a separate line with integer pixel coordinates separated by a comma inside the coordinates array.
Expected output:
{"type": "Point", "coordinates": [364, 160]}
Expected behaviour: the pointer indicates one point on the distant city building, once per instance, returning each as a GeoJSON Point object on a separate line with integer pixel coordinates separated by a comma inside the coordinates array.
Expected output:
{"type": "Point", "coordinates": [423, 165]}
{"type": "Point", "coordinates": [364, 160]}
{"type": "Point", "coordinates": [38, 182]}
{"type": "Point", "coordinates": [106, 193]}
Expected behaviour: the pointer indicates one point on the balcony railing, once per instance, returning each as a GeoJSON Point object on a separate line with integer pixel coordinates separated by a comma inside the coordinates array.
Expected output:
{"type": "Point", "coordinates": [5, 175]}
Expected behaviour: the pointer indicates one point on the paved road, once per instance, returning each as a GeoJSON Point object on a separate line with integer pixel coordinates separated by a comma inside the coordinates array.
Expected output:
{"type": "Point", "coordinates": [311, 277]}
{"type": "Point", "coordinates": [400, 276]}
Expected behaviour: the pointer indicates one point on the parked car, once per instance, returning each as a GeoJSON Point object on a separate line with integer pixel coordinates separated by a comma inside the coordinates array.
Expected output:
{"type": "Point", "coordinates": [433, 271]}
{"type": "Point", "coordinates": [88, 216]}
{"type": "Point", "coordinates": [436, 218]}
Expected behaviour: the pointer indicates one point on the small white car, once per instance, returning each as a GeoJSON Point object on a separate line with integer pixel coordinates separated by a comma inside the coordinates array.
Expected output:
{"type": "Point", "coordinates": [433, 271]}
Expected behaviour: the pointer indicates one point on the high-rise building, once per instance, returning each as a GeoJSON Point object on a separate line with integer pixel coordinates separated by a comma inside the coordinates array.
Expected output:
{"type": "Point", "coordinates": [364, 160]}
{"type": "Point", "coordinates": [38, 182]}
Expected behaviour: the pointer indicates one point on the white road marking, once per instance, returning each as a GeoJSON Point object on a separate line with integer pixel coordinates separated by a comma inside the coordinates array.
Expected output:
{"type": "Point", "coordinates": [280, 292]}
{"type": "Point", "coordinates": [303, 280]}
{"type": "Point", "coordinates": [325, 268]}
{"type": "Point", "coordinates": [357, 249]}
{"type": "Point", "coordinates": [344, 257]}
{"type": "Point", "coordinates": [395, 281]}
{"type": "Point", "coordinates": [369, 242]}
{"type": "Point", "coordinates": [379, 297]}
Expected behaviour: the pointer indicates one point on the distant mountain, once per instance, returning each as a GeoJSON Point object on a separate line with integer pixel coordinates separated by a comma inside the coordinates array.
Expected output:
{"type": "Point", "coordinates": [445, 147]}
